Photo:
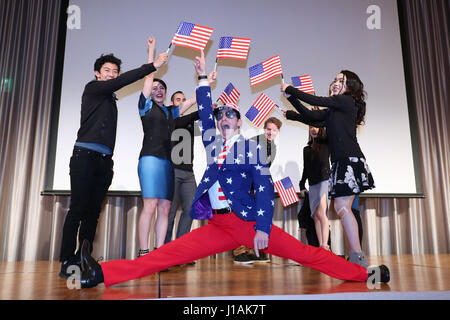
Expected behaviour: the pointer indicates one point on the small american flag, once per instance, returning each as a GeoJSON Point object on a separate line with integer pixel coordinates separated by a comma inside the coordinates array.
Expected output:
{"type": "Point", "coordinates": [233, 47]}
{"type": "Point", "coordinates": [265, 70]}
{"type": "Point", "coordinates": [192, 35]}
{"type": "Point", "coordinates": [303, 83]}
{"type": "Point", "coordinates": [230, 94]}
{"type": "Point", "coordinates": [286, 191]}
{"type": "Point", "coordinates": [260, 109]}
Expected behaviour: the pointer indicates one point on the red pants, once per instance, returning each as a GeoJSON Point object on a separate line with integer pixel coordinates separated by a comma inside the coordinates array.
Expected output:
{"type": "Point", "coordinates": [225, 232]}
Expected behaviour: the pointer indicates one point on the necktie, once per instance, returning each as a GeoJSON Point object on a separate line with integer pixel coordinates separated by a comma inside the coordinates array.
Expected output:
{"type": "Point", "coordinates": [222, 155]}
{"type": "Point", "coordinates": [220, 160]}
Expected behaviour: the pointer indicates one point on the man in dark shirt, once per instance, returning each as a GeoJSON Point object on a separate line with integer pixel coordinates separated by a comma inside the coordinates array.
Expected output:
{"type": "Point", "coordinates": [182, 159]}
{"type": "Point", "coordinates": [266, 144]}
{"type": "Point", "coordinates": [266, 140]}
{"type": "Point", "coordinates": [91, 164]}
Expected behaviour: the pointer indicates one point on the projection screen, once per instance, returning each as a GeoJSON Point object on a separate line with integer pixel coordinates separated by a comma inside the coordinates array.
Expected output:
{"type": "Point", "coordinates": [317, 38]}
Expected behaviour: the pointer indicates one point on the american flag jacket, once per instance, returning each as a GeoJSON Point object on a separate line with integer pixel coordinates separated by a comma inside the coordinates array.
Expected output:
{"type": "Point", "coordinates": [243, 167]}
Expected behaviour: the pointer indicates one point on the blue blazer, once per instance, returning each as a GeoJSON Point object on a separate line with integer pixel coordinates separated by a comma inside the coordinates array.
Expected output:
{"type": "Point", "coordinates": [243, 168]}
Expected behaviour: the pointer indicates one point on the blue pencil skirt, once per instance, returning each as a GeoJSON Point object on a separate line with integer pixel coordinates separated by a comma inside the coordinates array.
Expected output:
{"type": "Point", "coordinates": [156, 177]}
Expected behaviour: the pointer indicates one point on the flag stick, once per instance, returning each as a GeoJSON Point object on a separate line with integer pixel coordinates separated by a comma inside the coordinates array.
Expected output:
{"type": "Point", "coordinates": [215, 66]}
{"type": "Point", "coordinates": [282, 78]}
{"type": "Point", "coordinates": [170, 45]}
{"type": "Point", "coordinates": [280, 108]}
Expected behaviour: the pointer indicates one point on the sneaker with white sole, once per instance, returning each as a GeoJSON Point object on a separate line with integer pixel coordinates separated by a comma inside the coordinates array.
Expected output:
{"type": "Point", "coordinates": [243, 258]}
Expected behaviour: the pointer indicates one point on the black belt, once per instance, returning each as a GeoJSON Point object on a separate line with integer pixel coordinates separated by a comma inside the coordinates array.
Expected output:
{"type": "Point", "coordinates": [223, 210]}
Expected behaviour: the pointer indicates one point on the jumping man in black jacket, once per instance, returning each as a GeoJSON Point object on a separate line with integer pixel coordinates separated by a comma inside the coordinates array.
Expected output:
{"type": "Point", "coordinates": [91, 164]}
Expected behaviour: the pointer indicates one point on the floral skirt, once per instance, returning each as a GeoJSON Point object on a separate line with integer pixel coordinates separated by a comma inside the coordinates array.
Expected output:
{"type": "Point", "coordinates": [349, 176]}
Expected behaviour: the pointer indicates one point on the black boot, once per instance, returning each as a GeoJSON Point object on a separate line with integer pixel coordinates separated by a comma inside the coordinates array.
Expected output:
{"type": "Point", "coordinates": [91, 271]}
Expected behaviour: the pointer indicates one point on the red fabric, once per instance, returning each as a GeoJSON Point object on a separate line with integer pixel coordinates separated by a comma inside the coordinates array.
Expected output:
{"type": "Point", "coordinates": [225, 232]}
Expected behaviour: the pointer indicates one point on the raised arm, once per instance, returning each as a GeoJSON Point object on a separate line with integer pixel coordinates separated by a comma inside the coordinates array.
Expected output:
{"type": "Point", "coordinates": [148, 82]}
{"type": "Point", "coordinates": [186, 105]}
{"type": "Point", "coordinates": [126, 78]}
{"type": "Point", "coordinates": [204, 101]}
{"type": "Point", "coordinates": [314, 118]}
{"type": "Point", "coordinates": [160, 60]}
{"type": "Point", "coordinates": [338, 101]}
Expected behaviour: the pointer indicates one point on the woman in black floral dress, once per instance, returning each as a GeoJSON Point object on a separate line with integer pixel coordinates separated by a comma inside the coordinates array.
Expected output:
{"type": "Point", "coordinates": [350, 174]}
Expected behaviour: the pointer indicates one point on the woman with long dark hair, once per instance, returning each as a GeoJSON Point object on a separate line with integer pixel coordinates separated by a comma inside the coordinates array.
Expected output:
{"type": "Point", "coordinates": [350, 174]}
{"type": "Point", "coordinates": [316, 169]}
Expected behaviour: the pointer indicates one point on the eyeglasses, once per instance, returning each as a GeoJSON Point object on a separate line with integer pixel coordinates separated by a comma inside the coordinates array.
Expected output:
{"type": "Point", "coordinates": [230, 113]}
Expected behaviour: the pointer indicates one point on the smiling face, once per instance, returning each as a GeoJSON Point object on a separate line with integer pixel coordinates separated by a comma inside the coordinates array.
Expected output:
{"type": "Point", "coordinates": [108, 71]}
{"type": "Point", "coordinates": [228, 122]}
{"type": "Point", "coordinates": [158, 93]}
{"type": "Point", "coordinates": [338, 86]}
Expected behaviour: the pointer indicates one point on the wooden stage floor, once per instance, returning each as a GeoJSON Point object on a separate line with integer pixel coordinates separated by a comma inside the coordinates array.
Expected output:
{"type": "Point", "coordinates": [220, 277]}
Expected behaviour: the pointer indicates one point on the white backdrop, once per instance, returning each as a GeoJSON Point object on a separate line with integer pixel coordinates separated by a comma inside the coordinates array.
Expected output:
{"type": "Point", "coordinates": [318, 37]}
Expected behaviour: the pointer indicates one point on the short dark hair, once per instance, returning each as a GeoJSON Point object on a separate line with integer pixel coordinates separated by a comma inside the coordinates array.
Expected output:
{"type": "Point", "coordinates": [161, 81]}
{"type": "Point", "coordinates": [106, 58]}
{"type": "Point", "coordinates": [275, 121]}
{"type": "Point", "coordinates": [176, 92]}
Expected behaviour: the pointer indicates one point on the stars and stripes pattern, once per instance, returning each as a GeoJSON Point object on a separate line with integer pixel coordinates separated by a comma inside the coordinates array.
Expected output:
{"type": "Point", "coordinates": [260, 109]}
{"type": "Point", "coordinates": [230, 94]}
{"type": "Point", "coordinates": [241, 169]}
{"type": "Point", "coordinates": [192, 35]}
{"type": "Point", "coordinates": [265, 70]}
{"type": "Point", "coordinates": [222, 155]}
{"type": "Point", "coordinates": [286, 190]}
{"type": "Point", "coordinates": [233, 47]}
{"type": "Point", "coordinates": [303, 83]}
{"type": "Point", "coordinates": [221, 195]}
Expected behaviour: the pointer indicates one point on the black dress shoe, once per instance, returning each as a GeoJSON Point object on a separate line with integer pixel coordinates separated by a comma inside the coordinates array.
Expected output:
{"type": "Point", "coordinates": [69, 267]}
{"type": "Point", "coordinates": [91, 271]}
{"type": "Point", "coordinates": [381, 273]}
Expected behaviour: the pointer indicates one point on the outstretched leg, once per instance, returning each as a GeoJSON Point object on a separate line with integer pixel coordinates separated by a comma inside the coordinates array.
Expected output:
{"type": "Point", "coordinates": [199, 243]}
{"type": "Point", "coordinates": [285, 246]}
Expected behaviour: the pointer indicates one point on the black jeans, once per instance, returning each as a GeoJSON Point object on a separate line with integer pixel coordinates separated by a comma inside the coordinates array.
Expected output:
{"type": "Point", "coordinates": [90, 177]}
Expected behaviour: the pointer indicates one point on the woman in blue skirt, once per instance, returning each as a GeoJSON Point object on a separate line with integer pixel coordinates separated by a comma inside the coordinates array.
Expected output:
{"type": "Point", "coordinates": [155, 170]}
